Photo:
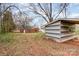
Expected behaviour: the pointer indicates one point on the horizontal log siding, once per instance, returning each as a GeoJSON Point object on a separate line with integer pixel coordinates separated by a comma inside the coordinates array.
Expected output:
{"type": "Point", "coordinates": [53, 30]}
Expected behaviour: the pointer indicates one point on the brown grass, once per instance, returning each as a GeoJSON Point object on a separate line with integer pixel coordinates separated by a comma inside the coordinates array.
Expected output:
{"type": "Point", "coordinates": [35, 44]}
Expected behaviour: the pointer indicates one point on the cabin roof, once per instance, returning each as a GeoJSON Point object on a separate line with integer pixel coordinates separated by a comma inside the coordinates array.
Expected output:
{"type": "Point", "coordinates": [69, 20]}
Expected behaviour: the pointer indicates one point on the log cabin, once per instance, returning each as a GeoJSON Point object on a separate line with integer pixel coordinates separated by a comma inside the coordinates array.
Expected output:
{"type": "Point", "coordinates": [61, 30]}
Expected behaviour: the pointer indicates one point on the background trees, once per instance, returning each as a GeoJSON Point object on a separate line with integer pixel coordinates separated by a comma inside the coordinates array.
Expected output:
{"type": "Point", "coordinates": [44, 12]}
{"type": "Point", "coordinates": [7, 24]}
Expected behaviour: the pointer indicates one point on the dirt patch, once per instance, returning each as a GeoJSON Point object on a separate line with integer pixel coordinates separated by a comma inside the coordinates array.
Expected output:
{"type": "Point", "coordinates": [36, 45]}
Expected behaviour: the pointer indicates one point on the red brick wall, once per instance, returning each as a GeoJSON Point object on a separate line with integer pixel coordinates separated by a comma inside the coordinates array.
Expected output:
{"type": "Point", "coordinates": [29, 30]}
{"type": "Point", "coordinates": [32, 30]}
{"type": "Point", "coordinates": [21, 30]}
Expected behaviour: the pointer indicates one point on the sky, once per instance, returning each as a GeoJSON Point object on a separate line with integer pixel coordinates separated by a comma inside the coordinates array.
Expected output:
{"type": "Point", "coordinates": [73, 12]}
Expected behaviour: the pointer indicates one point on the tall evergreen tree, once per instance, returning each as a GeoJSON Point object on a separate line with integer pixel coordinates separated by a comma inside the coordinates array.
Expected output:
{"type": "Point", "coordinates": [7, 22]}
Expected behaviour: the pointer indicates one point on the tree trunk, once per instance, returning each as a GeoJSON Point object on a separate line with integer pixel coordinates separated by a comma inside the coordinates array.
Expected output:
{"type": "Point", "coordinates": [50, 19]}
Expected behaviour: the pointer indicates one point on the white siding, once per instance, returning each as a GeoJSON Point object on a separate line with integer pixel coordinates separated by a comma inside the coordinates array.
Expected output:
{"type": "Point", "coordinates": [53, 31]}
{"type": "Point", "coordinates": [54, 27]}
{"type": "Point", "coordinates": [58, 35]}
{"type": "Point", "coordinates": [53, 35]}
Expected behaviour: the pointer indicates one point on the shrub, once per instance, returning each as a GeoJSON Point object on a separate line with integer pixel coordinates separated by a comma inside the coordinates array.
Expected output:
{"type": "Point", "coordinates": [6, 37]}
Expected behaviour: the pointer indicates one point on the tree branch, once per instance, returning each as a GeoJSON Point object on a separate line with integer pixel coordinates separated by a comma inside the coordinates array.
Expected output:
{"type": "Point", "coordinates": [43, 10]}
{"type": "Point", "coordinates": [9, 7]}
{"type": "Point", "coordinates": [61, 10]}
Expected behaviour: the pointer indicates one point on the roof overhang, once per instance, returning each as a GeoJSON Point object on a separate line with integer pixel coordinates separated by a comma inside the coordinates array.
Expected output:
{"type": "Point", "coordinates": [68, 20]}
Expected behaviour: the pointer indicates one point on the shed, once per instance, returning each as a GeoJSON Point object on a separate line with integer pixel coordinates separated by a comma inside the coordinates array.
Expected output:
{"type": "Point", "coordinates": [62, 29]}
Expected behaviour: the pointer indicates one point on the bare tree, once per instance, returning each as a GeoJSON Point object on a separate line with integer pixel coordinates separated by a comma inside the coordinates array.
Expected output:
{"type": "Point", "coordinates": [22, 21]}
{"type": "Point", "coordinates": [62, 9]}
{"type": "Point", "coordinates": [43, 10]}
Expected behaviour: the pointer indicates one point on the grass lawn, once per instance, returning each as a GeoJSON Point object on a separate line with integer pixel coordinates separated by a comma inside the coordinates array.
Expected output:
{"type": "Point", "coordinates": [6, 38]}
{"type": "Point", "coordinates": [34, 44]}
